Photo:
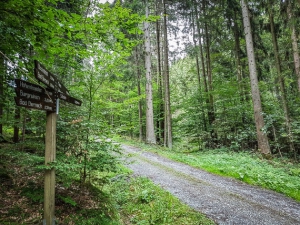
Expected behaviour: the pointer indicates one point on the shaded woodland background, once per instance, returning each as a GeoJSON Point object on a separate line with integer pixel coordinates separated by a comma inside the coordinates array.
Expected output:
{"type": "Point", "coordinates": [187, 60]}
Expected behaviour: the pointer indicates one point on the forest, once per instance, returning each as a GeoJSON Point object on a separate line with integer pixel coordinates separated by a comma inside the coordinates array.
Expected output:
{"type": "Point", "coordinates": [178, 74]}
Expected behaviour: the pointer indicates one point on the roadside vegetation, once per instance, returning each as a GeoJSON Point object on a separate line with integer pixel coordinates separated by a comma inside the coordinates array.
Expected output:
{"type": "Point", "coordinates": [279, 174]}
{"type": "Point", "coordinates": [107, 197]}
{"type": "Point", "coordinates": [141, 202]}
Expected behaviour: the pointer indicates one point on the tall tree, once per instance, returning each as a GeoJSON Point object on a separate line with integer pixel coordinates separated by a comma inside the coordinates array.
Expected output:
{"type": "Point", "coordinates": [160, 107]}
{"type": "Point", "coordinates": [211, 110]}
{"type": "Point", "coordinates": [168, 142]}
{"type": "Point", "coordinates": [262, 139]}
{"type": "Point", "coordinates": [294, 42]}
{"type": "Point", "coordinates": [150, 134]}
{"type": "Point", "coordinates": [2, 71]}
{"type": "Point", "coordinates": [200, 37]}
{"type": "Point", "coordinates": [283, 96]}
{"type": "Point", "coordinates": [198, 64]}
{"type": "Point", "coordinates": [138, 72]}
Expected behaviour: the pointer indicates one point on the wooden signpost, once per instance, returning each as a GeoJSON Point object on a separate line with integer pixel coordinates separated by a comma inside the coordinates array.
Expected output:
{"type": "Point", "coordinates": [36, 97]}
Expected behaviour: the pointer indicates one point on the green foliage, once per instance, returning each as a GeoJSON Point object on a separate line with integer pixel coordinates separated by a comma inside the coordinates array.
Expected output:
{"type": "Point", "coordinates": [82, 154]}
{"type": "Point", "coordinates": [190, 107]}
{"type": "Point", "coordinates": [91, 217]}
{"type": "Point", "coordinates": [34, 193]}
{"type": "Point", "coordinates": [68, 200]}
{"type": "Point", "coordinates": [141, 202]}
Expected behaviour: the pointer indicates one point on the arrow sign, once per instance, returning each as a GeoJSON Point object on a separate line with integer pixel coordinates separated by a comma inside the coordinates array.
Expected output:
{"type": "Point", "coordinates": [29, 90]}
{"type": "Point", "coordinates": [29, 86]}
{"type": "Point", "coordinates": [34, 96]}
{"type": "Point", "coordinates": [28, 103]}
{"type": "Point", "coordinates": [49, 79]}
{"type": "Point", "coordinates": [62, 96]}
{"type": "Point", "coordinates": [74, 101]}
{"type": "Point", "coordinates": [69, 99]}
{"type": "Point", "coordinates": [61, 88]}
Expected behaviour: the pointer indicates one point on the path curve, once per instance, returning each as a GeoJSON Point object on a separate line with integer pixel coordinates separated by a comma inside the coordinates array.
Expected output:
{"type": "Point", "coordinates": [224, 200]}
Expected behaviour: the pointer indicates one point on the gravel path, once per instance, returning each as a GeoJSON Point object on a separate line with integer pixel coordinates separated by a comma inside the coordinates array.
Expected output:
{"type": "Point", "coordinates": [224, 200]}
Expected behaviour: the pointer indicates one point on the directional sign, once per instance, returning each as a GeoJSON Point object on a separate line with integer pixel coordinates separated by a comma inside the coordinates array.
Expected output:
{"type": "Point", "coordinates": [29, 90]}
{"type": "Point", "coordinates": [29, 86]}
{"type": "Point", "coordinates": [62, 89]}
{"type": "Point", "coordinates": [47, 78]}
{"type": "Point", "coordinates": [74, 101]}
{"type": "Point", "coordinates": [28, 103]}
{"type": "Point", "coordinates": [62, 96]}
{"type": "Point", "coordinates": [69, 99]}
{"type": "Point", "coordinates": [34, 96]}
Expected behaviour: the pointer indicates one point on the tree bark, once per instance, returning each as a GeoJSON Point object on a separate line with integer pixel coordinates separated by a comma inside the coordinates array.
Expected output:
{"type": "Point", "coordinates": [294, 44]}
{"type": "Point", "coordinates": [237, 53]}
{"type": "Point", "coordinates": [199, 79]}
{"type": "Point", "coordinates": [138, 71]}
{"type": "Point", "coordinates": [211, 111]}
{"type": "Point", "coordinates": [168, 120]}
{"type": "Point", "coordinates": [262, 139]}
{"type": "Point", "coordinates": [150, 135]}
{"type": "Point", "coordinates": [283, 97]}
{"type": "Point", "coordinates": [16, 125]}
{"type": "Point", "coordinates": [200, 36]}
{"type": "Point", "coordinates": [161, 113]}
{"type": "Point", "coordinates": [2, 71]}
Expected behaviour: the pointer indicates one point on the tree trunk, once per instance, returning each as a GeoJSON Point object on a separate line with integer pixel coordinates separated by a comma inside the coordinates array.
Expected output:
{"type": "Point", "coordinates": [138, 71]}
{"type": "Point", "coordinates": [294, 44]}
{"type": "Point", "coordinates": [197, 53]}
{"type": "Point", "coordinates": [200, 37]}
{"type": "Point", "coordinates": [262, 139]}
{"type": "Point", "coordinates": [199, 81]}
{"type": "Point", "coordinates": [16, 125]}
{"type": "Point", "coordinates": [2, 71]}
{"type": "Point", "coordinates": [150, 135]}
{"type": "Point", "coordinates": [161, 113]}
{"type": "Point", "coordinates": [168, 120]}
{"type": "Point", "coordinates": [211, 111]}
{"type": "Point", "coordinates": [237, 54]}
{"type": "Point", "coordinates": [281, 81]}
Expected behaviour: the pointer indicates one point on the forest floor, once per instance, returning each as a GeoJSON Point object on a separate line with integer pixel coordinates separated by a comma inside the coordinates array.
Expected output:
{"type": "Point", "coordinates": [224, 200]}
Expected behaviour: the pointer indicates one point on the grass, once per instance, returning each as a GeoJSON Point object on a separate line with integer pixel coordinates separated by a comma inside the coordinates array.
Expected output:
{"type": "Point", "coordinates": [279, 174]}
{"type": "Point", "coordinates": [141, 202]}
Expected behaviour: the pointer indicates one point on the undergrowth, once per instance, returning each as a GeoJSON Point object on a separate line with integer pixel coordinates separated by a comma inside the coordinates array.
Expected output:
{"type": "Point", "coordinates": [22, 194]}
{"type": "Point", "coordinates": [279, 174]}
{"type": "Point", "coordinates": [141, 202]}
{"type": "Point", "coordinates": [119, 200]}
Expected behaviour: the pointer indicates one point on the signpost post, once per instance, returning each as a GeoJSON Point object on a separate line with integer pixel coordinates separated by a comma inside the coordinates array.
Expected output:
{"type": "Point", "coordinates": [36, 97]}
{"type": "Point", "coordinates": [49, 177]}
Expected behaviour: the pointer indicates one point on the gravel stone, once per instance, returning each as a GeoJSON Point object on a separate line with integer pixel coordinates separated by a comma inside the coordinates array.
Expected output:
{"type": "Point", "coordinates": [224, 200]}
